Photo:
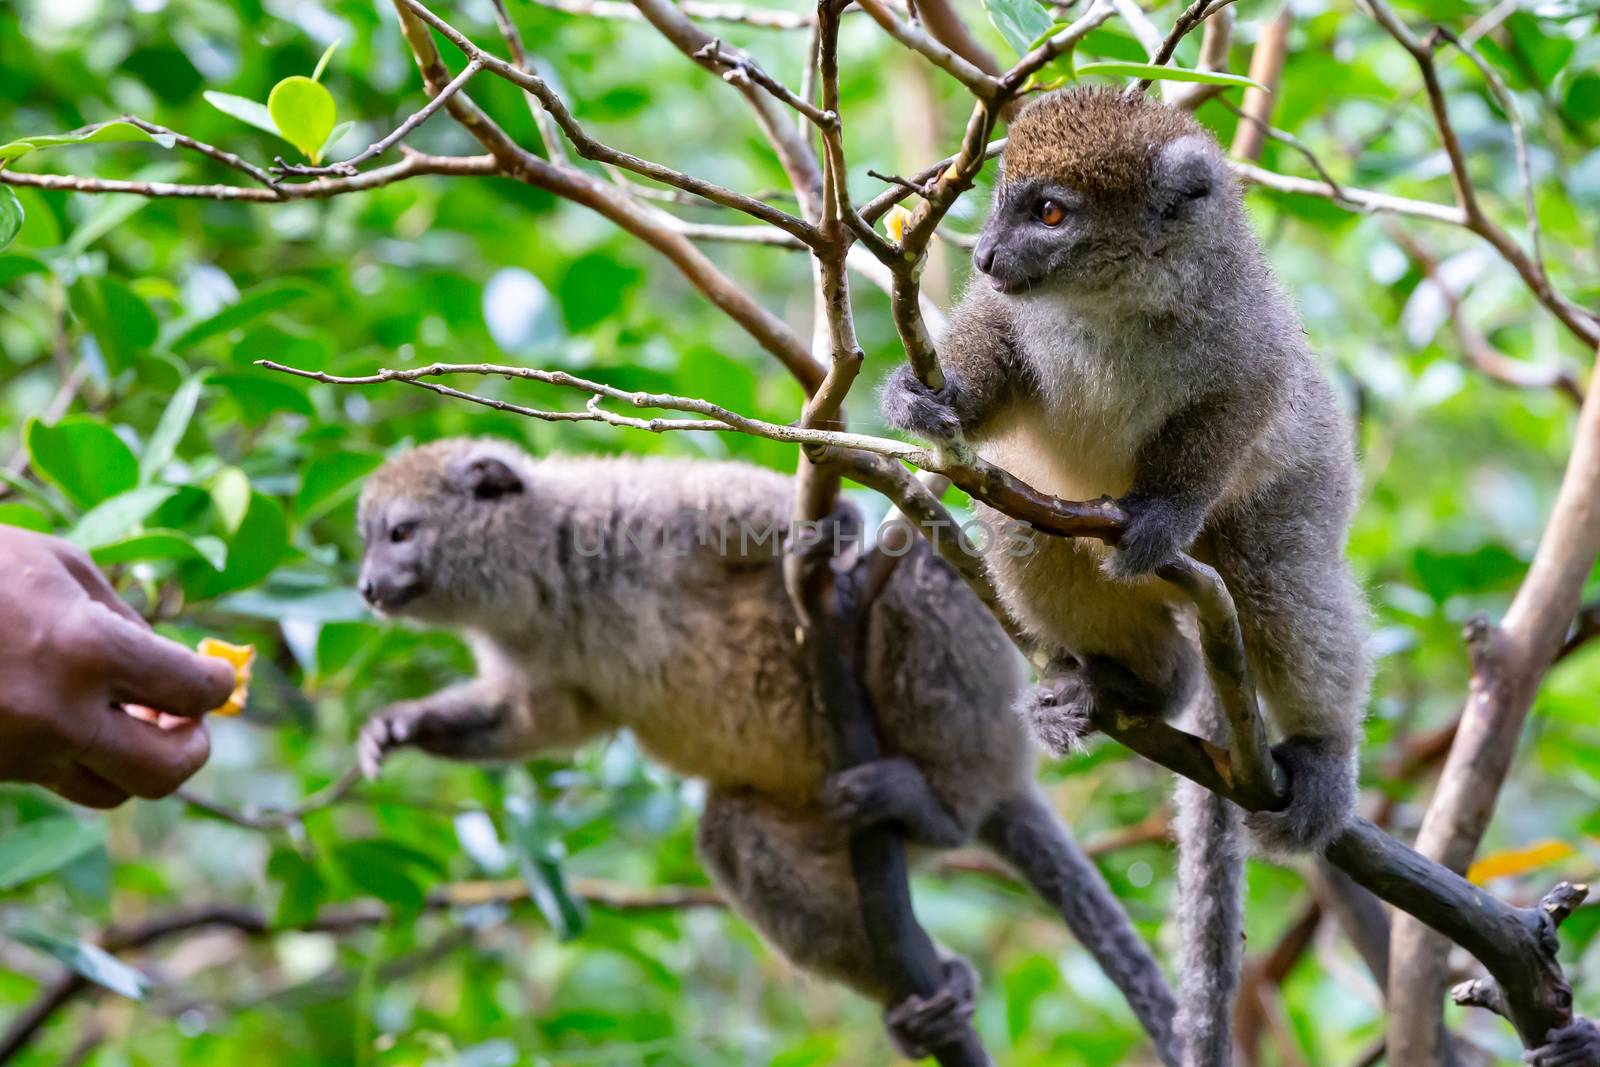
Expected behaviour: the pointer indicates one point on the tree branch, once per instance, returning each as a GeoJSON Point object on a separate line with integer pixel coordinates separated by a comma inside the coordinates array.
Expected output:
{"type": "Point", "coordinates": [1509, 661]}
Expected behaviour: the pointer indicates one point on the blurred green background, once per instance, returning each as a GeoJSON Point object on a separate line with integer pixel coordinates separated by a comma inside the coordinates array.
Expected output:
{"type": "Point", "coordinates": [129, 404]}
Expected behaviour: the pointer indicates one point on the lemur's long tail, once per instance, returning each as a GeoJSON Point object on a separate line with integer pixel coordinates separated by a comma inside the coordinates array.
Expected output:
{"type": "Point", "coordinates": [1210, 921]}
{"type": "Point", "coordinates": [1027, 834]}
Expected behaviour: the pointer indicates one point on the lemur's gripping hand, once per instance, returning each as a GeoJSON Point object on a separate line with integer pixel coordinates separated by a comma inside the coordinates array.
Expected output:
{"type": "Point", "coordinates": [909, 405]}
{"type": "Point", "coordinates": [1158, 530]}
{"type": "Point", "coordinates": [1322, 794]}
{"type": "Point", "coordinates": [918, 1025]}
{"type": "Point", "coordinates": [393, 727]}
{"type": "Point", "coordinates": [1575, 1045]}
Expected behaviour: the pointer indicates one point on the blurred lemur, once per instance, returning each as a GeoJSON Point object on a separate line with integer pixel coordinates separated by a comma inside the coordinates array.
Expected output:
{"type": "Point", "coordinates": [607, 594]}
{"type": "Point", "coordinates": [1127, 338]}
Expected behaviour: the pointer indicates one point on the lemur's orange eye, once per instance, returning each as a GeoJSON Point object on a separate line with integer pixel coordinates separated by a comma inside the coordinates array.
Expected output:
{"type": "Point", "coordinates": [1050, 213]}
{"type": "Point", "coordinates": [402, 533]}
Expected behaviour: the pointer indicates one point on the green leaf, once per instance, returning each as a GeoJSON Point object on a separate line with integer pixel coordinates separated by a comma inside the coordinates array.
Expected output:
{"type": "Point", "coordinates": [1020, 22]}
{"type": "Point", "coordinates": [105, 131]}
{"type": "Point", "coordinates": [329, 480]}
{"type": "Point", "coordinates": [1167, 74]}
{"type": "Point", "coordinates": [322, 64]}
{"type": "Point", "coordinates": [243, 109]}
{"type": "Point", "coordinates": [11, 216]}
{"type": "Point", "coordinates": [122, 324]}
{"type": "Point", "coordinates": [253, 551]}
{"type": "Point", "coordinates": [24, 516]}
{"type": "Point", "coordinates": [44, 845]}
{"type": "Point", "coordinates": [304, 113]}
{"type": "Point", "coordinates": [163, 443]}
{"type": "Point", "coordinates": [257, 302]}
{"type": "Point", "coordinates": [230, 496]}
{"type": "Point", "coordinates": [162, 544]}
{"type": "Point", "coordinates": [83, 458]}
{"type": "Point", "coordinates": [539, 861]}
{"type": "Point", "coordinates": [91, 961]}
{"type": "Point", "coordinates": [112, 518]}
{"type": "Point", "coordinates": [303, 887]}
{"type": "Point", "coordinates": [386, 870]}
{"type": "Point", "coordinates": [334, 135]}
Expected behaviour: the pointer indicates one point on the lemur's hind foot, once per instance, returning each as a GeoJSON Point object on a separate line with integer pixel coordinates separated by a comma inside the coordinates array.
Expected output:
{"type": "Point", "coordinates": [1061, 707]}
{"type": "Point", "coordinates": [918, 1024]}
{"type": "Point", "coordinates": [1058, 710]}
{"type": "Point", "coordinates": [891, 790]}
{"type": "Point", "coordinates": [1322, 794]}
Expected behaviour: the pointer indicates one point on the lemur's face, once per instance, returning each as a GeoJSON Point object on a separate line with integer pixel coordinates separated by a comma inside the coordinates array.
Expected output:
{"type": "Point", "coordinates": [397, 568]}
{"type": "Point", "coordinates": [427, 519]}
{"type": "Point", "coordinates": [1044, 232]}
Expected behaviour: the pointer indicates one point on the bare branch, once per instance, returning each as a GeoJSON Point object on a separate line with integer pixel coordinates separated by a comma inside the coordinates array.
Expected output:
{"type": "Point", "coordinates": [411, 166]}
{"type": "Point", "coordinates": [590, 148]}
{"type": "Point", "coordinates": [1358, 199]}
{"type": "Point", "coordinates": [977, 81]}
{"type": "Point", "coordinates": [1583, 325]}
{"type": "Point", "coordinates": [1509, 661]}
{"type": "Point", "coordinates": [278, 818]}
{"type": "Point", "coordinates": [737, 66]}
{"type": "Point", "coordinates": [1215, 40]}
{"type": "Point", "coordinates": [227, 159]}
{"type": "Point", "coordinates": [548, 133]}
{"type": "Point", "coordinates": [1475, 347]}
{"type": "Point", "coordinates": [1266, 67]}
{"type": "Point", "coordinates": [762, 18]}
{"type": "Point", "coordinates": [1192, 16]}
{"type": "Point", "coordinates": [794, 151]}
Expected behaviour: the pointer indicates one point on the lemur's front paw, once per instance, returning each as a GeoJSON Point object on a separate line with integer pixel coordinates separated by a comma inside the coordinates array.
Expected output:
{"type": "Point", "coordinates": [1574, 1045]}
{"type": "Point", "coordinates": [393, 727]}
{"type": "Point", "coordinates": [1153, 538]}
{"type": "Point", "coordinates": [1322, 796]}
{"type": "Point", "coordinates": [909, 405]}
{"type": "Point", "coordinates": [1059, 709]}
{"type": "Point", "coordinates": [918, 1025]}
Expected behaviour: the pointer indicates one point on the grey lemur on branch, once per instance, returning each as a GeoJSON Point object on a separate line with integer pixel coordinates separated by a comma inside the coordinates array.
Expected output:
{"type": "Point", "coordinates": [647, 595]}
{"type": "Point", "coordinates": [1125, 336]}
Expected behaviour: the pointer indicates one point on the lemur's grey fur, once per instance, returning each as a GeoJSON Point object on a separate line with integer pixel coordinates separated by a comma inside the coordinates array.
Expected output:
{"type": "Point", "coordinates": [598, 595]}
{"type": "Point", "coordinates": [1130, 340]}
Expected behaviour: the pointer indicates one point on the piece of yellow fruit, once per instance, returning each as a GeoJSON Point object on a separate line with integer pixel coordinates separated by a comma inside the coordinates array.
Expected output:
{"type": "Point", "coordinates": [241, 657]}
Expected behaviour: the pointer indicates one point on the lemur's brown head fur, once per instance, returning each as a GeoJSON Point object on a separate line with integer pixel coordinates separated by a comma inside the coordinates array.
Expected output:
{"type": "Point", "coordinates": [1106, 194]}
{"type": "Point", "coordinates": [1101, 142]}
{"type": "Point", "coordinates": [435, 521]}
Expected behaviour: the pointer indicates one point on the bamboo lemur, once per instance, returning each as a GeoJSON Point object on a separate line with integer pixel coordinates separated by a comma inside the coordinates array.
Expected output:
{"type": "Point", "coordinates": [607, 594]}
{"type": "Point", "coordinates": [1127, 338]}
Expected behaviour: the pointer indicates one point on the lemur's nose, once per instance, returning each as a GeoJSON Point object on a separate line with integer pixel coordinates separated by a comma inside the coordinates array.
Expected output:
{"type": "Point", "coordinates": [364, 587]}
{"type": "Point", "coordinates": [983, 256]}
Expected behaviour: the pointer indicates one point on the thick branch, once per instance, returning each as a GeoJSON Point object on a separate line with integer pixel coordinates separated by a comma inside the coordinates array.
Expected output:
{"type": "Point", "coordinates": [1509, 662]}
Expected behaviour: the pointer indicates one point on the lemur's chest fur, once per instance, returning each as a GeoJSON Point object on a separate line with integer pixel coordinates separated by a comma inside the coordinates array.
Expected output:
{"type": "Point", "coordinates": [1096, 399]}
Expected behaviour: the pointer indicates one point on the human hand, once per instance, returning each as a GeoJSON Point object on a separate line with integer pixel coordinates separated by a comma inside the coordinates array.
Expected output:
{"type": "Point", "coordinates": [71, 654]}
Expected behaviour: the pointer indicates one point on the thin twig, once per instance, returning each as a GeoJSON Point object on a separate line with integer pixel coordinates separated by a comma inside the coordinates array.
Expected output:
{"type": "Point", "coordinates": [227, 159]}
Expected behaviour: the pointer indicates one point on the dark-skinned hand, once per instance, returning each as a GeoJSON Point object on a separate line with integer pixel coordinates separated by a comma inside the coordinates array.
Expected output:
{"type": "Point", "coordinates": [71, 655]}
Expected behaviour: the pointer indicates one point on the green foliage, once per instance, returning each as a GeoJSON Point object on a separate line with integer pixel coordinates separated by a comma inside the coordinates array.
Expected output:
{"type": "Point", "coordinates": [1165, 73]}
{"type": "Point", "coordinates": [221, 500]}
{"type": "Point", "coordinates": [1020, 22]}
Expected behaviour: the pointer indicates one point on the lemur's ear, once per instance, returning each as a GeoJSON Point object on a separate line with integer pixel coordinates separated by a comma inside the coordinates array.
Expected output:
{"type": "Point", "coordinates": [1185, 169]}
{"type": "Point", "coordinates": [485, 477]}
